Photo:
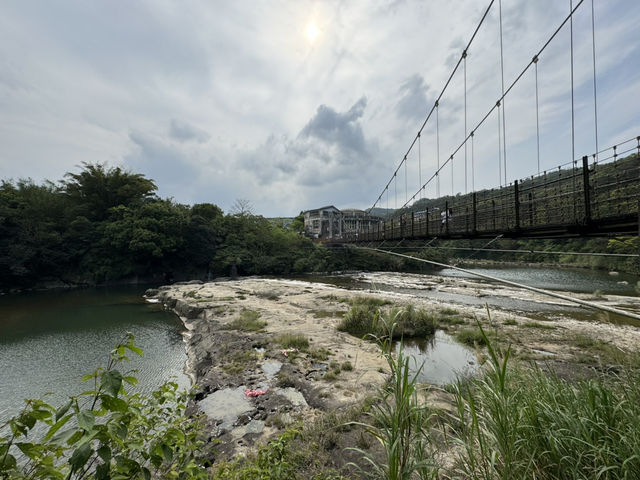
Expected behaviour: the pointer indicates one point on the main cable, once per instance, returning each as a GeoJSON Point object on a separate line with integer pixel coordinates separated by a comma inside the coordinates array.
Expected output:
{"type": "Point", "coordinates": [507, 91]}
{"type": "Point", "coordinates": [451, 75]}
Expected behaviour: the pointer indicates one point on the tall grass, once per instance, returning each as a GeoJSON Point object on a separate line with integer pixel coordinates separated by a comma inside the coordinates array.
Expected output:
{"type": "Point", "coordinates": [525, 423]}
{"type": "Point", "coordinates": [400, 423]}
{"type": "Point", "coordinates": [366, 318]}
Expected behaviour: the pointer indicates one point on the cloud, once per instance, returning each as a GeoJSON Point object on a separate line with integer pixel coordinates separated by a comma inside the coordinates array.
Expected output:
{"type": "Point", "coordinates": [185, 132]}
{"type": "Point", "coordinates": [330, 147]}
{"type": "Point", "coordinates": [413, 104]}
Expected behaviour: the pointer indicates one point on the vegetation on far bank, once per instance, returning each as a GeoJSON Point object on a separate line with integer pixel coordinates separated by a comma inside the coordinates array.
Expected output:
{"type": "Point", "coordinates": [104, 225]}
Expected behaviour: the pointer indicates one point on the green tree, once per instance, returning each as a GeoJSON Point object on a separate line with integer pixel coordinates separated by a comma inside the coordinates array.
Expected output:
{"type": "Point", "coordinates": [97, 189]}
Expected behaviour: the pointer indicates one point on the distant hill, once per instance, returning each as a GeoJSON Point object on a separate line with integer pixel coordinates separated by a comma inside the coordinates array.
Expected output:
{"type": "Point", "coordinates": [280, 221]}
{"type": "Point", "coordinates": [381, 212]}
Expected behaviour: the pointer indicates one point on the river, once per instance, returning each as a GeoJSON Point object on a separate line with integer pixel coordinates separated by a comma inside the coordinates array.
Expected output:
{"type": "Point", "coordinates": [49, 340]}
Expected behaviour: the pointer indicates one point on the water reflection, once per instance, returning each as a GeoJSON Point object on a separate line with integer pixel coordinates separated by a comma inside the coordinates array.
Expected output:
{"type": "Point", "coordinates": [441, 357]}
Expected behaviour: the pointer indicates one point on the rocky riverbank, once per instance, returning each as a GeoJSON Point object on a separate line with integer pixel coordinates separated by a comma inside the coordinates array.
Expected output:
{"type": "Point", "coordinates": [266, 353]}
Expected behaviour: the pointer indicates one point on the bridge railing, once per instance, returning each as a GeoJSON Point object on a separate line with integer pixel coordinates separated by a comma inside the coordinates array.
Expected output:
{"type": "Point", "coordinates": [577, 196]}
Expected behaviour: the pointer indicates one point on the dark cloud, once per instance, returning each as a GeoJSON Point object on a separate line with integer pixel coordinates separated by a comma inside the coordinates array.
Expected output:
{"type": "Point", "coordinates": [185, 132]}
{"type": "Point", "coordinates": [330, 147]}
{"type": "Point", "coordinates": [335, 128]}
{"type": "Point", "coordinates": [413, 103]}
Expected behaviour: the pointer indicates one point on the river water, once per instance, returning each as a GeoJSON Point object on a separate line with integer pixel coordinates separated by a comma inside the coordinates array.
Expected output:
{"type": "Point", "coordinates": [49, 340]}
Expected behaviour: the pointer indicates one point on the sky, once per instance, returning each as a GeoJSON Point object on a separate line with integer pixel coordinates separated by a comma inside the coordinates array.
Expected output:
{"type": "Point", "coordinates": [297, 104]}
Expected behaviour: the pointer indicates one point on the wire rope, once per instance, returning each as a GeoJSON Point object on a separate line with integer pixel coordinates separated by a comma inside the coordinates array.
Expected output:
{"type": "Point", "coordinates": [595, 95]}
{"type": "Point", "coordinates": [442, 92]}
{"type": "Point", "coordinates": [504, 132]}
{"type": "Point", "coordinates": [508, 90]}
{"type": "Point", "coordinates": [515, 284]}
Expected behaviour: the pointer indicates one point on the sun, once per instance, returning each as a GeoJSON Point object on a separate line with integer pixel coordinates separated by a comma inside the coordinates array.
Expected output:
{"type": "Point", "coordinates": [312, 31]}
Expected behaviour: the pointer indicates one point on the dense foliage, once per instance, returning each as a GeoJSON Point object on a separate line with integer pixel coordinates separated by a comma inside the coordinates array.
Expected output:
{"type": "Point", "coordinates": [107, 225]}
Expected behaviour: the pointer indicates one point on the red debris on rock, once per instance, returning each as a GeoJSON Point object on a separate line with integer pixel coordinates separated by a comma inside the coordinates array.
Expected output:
{"type": "Point", "coordinates": [255, 393]}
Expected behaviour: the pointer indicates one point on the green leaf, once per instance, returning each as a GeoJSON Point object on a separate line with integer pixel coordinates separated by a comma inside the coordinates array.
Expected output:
{"type": "Point", "coordinates": [113, 404]}
{"type": "Point", "coordinates": [7, 462]}
{"type": "Point", "coordinates": [63, 437]}
{"type": "Point", "coordinates": [102, 471]}
{"type": "Point", "coordinates": [56, 426]}
{"type": "Point", "coordinates": [62, 410]}
{"type": "Point", "coordinates": [146, 473]}
{"type": "Point", "coordinates": [130, 380]}
{"type": "Point", "coordinates": [86, 420]}
{"type": "Point", "coordinates": [104, 452]}
{"type": "Point", "coordinates": [29, 449]}
{"type": "Point", "coordinates": [80, 456]}
{"type": "Point", "coordinates": [167, 453]}
{"type": "Point", "coordinates": [111, 381]}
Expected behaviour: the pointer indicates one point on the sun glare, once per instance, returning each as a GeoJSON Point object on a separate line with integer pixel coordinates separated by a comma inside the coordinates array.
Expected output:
{"type": "Point", "coordinates": [312, 31]}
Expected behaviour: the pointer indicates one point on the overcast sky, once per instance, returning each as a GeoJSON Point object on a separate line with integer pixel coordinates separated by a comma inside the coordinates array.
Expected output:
{"type": "Point", "coordinates": [294, 104]}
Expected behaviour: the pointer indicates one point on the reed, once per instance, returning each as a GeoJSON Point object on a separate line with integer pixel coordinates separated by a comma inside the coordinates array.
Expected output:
{"type": "Point", "coordinates": [527, 423]}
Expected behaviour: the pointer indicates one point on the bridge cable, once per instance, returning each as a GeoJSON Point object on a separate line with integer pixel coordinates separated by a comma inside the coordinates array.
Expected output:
{"type": "Point", "coordinates": [504, 132]}
{"type": "Point", "coordinates": [464, 55]}
{"type": "Point", "coordinates": [481, 248]}
{"type": "Point", "coordinates": [473, 181]}
{"type": "Point", "coordinates": [573, 141]}
{"type": "Point", "coordinates": [406, 185]}
{"type": "Point", "coordinates": [499, 147]}
{"type": "Point", "coordinates": [509, 250]}
{"type": "Point", "coordinates": [452, 189]}
{"type": "Point", "coordinates": [419, 165]}
{"type": "Point", "coordinates": [595, 96]}
{"type": "Point", "coordinates": [438, 148]}
{"type": "Point", "coordinates": [584, 303]}
{"type": "Point", "coordinates": [451, 75]}
{"type": "Point", "coordinates": [535, 61]}
{"type": "Point", "coordinates": [508, 90]}
{"type": "Point", "coordinates": [395, 191]}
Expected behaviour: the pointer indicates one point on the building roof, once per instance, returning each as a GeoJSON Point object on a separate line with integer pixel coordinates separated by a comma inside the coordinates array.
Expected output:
{"type": "Point", "coordinates": [321, 208]}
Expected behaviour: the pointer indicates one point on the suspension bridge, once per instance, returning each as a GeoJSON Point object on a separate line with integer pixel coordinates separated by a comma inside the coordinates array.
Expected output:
{"type": "Point", "coordinates": [590, 195]}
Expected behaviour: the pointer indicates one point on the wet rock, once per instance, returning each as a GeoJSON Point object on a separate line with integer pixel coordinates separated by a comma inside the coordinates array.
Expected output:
{"type": "Point", "coordinates": [151, 292]}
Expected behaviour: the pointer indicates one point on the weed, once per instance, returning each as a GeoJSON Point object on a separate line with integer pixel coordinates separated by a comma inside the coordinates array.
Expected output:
{"type": "Point", "coordinates": [334, 366]}
{"type": "Point", "coordinates": [346, 366]}
{"type": "Point", "coordinates": [448, 311]}
{"type": "Point", "coordinates": [510, 321]}
{"type": "Point", "coordinates": [330, 376]}
{"type": "Point", "coordinates": [471, 337]}
{"type": "Point", "coordinates": [400, 423]}
{"type": "Point", "coordinates": [239, 361]}
{"type": "Point", "coordinates": [365, 318]}
{"type": "Point", "coordinates": [541, 326]}
{"type": "Point", "coordinates": [284, 380]}
{"type": "Point", "coordinates": [247, 321]}
{"type": "Point", "coordinates": [319, 354]}
{"type": "Point", "coordinates": [291, 340]}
